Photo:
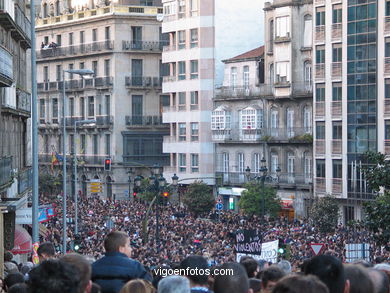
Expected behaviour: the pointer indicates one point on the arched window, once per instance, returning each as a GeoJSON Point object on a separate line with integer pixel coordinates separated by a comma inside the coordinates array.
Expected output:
{"type": "Point", "coordinates": [245, 77]}
{"type": "Point", "coordinates": [251, 118]}
{"type": "Point", "coordinates": [291, 167]}
{"type": "Point", "coordinates": [233, 77]}
{"type": "Point", "coordinates": [44, 10]}
{"type": "Point", "coordinates": [307, 120]}
{"type": "Point", "coordinates": [307, 31]}
{"type": "Point", "coordinates": [271, 74]}
{"type": "Point", "coordinates": [307, 75]}
{"type": "Point", "coordinates": [290, 122]}
{"type": "Point", "coordinates": [274, 163]}
{"type": "Point", "coordinates": [274, 122]}
{"type": "Point", "coordinates": [307, 167]}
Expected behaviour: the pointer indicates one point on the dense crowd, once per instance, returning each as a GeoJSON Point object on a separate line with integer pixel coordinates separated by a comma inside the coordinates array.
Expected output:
{"type": "Point", "coordinates": [181, 234]}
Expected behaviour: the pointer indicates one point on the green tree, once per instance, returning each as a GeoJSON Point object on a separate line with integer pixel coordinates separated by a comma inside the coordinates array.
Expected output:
{"type": "Point", "coordinates": [377, 216]}
{"type": "Point", "coordinates": [257, 199]}
{"type": "Point", "coordinates": [145, 192]}
{"type": "Point", "coordinates": [49, 184]}
{"type": "Point", "coordinates": [199, 198]}
{"type": "Point", "coordinates": [325, 213]}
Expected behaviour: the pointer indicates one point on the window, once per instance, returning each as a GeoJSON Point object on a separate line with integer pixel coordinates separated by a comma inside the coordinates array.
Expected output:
{"type": "Point", "coordinates": [108, 144]}
{"type": "Point", "coordinates": [387, 129]}
{"type": "Point", "coordinates": [241, 162]}
{"type": "Point", "coordinates": [307, 120]}
{"type": "Point", "coordinates": [107, 67]}
{"type": "Point", "coordinates": [194, 7]}
{"type": "Point", "coordinates": [290, 167]}
{"type": "Point", "coordinates": [182, 101]}
{"type": "Point", "coordinates": [320, 130]}
{"type": "Point", "coordinates": [95, 67]}
{"type": "Point", "coordinates": [220, 119]}
{"type": "Point", "coordinates": [233, 77]}
{"type": "Point", "coordinates": [194, 131]}
{"type": "Point", "coordinates": [81, 65]}
{"type": "Point", "coordinates": [337, 53]}
{"type": "Point", "coordinates": [46, 40]}
{"type": "Point", "coordinates": [320, 168]}
{"type": "Point", "coordinates": [45, 11]}
{"type": "Point", "coordinates": [107, 33]}
{"type": "Point", "coordinates": [251, 118]}
{"type": "Point", "coordinates": [320, 16]}
{"type": "Point", "coordinates": [95, 146]}
{"type": "Point", "coordinates": [387, 8]}
{"type": "Point", "coordinates": [194, 163]}
{"type": "Point", "coordinates": [91, 106]}
{"type": "Point", "coordinates": [70, 67]}
{"type": "Point", "coordinates": [225, 162]}
{"type": "Point", "coordinates": [147, 2]}
{"type": "Point", "coordinates": [83, 143]}
{"type": "Point", "coordinates": [58, 40]}
{"type": "Point", "coordinates": [108, 104]}
{"type": "Point", "coordinates": [387, 47]}
{"type": "Point", "coordinates": [245, 77]}
{"type": "Point", "coordinates": [283, 26]}
{"type": "Point", "coordinates": [337, 168]}
{"type": "Point", "coordinates": [337, 130]}
{"type": "Point", "coordinates": [274, 162]}
{"type": "Point", "coordinates": [182, 162]}
{"type": "Point", "coordinates": [182, 8]}
{"type": "Point", "coordinates": [320, 92]}
{"type": "Point", "coordinates": [137, 72]}
{"type": "Point", "coordinates": [256, 163]}
{"type": "Point", "coordinates": [182, 40]}
{"type": "Point", "coordinates": [182, 70]}
{"type": "Point", "coordinates": [271, 36]}
{"type": "Point", "coordinates": [337, 91]}
{"type": "Point", "coordinates": [194, 100]}
{"type": "Point", "coordinates": [58, 72]}
{"type": "Point", "coordinates": [136, 37]}
{"type": "Point", "coordinates": [290, 122]}
{"type": "Point", "coordinates": [71, 143]}
{"type": "Point", "coordinates": [70, 37]}
{"type": "Point", "coordinates": [137, 109]}
{"type": "Point", "coordinates": [55, 110]}
{"type": "Point", "coordinates": [46, 73]}
{"type": "Point", "coordinates": [194, 38]}
{"type": "Point", "coordinates": [307, 31]}
{"type": "Point", "coordinates": [307, 75]}
{"type": "Point", "coordinates": [320, 54]}
{"type": "Point", "coordinates": [182, 132]}
{"type": "Point", "coordinates": [387, 88]}
{"type": "Point", "coordinates": [94, 35]}
{"type": "Point", "coordinates": [194, 69]}
{"type": "Point", "coordinates": [282, 70]}
{"type": "Point", "coordinates": [42, 110]}
{"type": "Point", "coordinates": [274, 119]}
{"type": "Point", "coordinates": [82, 34]}
{"type": "Point", "coordinates": [337, 15]}
{"type": "Point", "coordinates": [307, 168]}
{"type": "Point", "coordinates": [82, 108]}
{"type": "Point", "coordinates": [71, 107]}
{"type": "Point", "coordinates": [271, 74]}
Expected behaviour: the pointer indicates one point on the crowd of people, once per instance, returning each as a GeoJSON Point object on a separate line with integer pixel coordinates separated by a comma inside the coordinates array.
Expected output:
{"type": "Point", "coordinates": [181, 234]}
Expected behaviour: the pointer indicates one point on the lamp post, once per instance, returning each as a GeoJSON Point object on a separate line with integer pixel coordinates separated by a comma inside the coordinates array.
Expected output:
{"type": "Point", "coordinates": [80, 72]}
{"type": "Point", "coordinates": [263, 176]}
{"type": "Point", "coordinates": [130, 171]}
{"type": "Point", "coordinates": [76, 197]}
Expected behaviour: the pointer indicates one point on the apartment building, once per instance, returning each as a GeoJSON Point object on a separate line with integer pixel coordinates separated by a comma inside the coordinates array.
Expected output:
{"type": "Point", "coordinates": [121, 42]}
{"type": "Point", "coordinates": [262, 118]}
{"type": "Point", "coordinates": [351, 109]}
{"type": "Point", "coordinates": [15, 111]}
{"type": "Point", "coordinates": [201, 33]}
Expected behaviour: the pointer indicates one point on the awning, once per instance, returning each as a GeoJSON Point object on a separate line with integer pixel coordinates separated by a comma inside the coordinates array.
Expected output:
{"type": "Point", "coordinates": [22, 241]}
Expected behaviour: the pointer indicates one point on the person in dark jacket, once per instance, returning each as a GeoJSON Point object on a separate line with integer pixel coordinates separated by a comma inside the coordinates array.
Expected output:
{"type": "Point", "coordinates": [116, 268]}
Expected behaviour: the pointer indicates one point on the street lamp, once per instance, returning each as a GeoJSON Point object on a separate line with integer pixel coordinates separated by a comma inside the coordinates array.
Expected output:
{"type": "Point", "coordinates": [76, 195]}
{"type": "Point", "coordinates": [81, 72]}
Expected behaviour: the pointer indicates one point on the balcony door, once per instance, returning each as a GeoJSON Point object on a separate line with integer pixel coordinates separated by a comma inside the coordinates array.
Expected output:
{"type": "Point", "coordinates": [274, 122]}
{"type": "Point", "coordinates": [136, 72]}
{"type": "Point", "coordinates": [291, 167]}
{"type": "Point", "coordinates": [136, 109]}
{"type": "Point", "coordinates": [290, 122]}
{"type": "Point", "coordinates": [136, 37]}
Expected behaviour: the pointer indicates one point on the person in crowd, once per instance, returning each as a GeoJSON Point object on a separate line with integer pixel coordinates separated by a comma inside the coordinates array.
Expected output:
{"type": "Point", "coordinates": [384, 267]}
{"type": "Point", "coordinates": [18, 288]}
{"type": "Point", "coordinates": [251, 266]}
{"type": "Point", "coordinates": [285, 266]}
{"type": "Point", "coordinates": [12, 279]}
{"type": "Point", "coordinates": [380, 281]}
{"type": "Point", "coordinates": [359, 279]}
{"type": "Point", "coordinates": [9, 265]}
{"type": "Point", "coordinates": [199, 279]}
{"type": "Point", "coordinates": [54, 275]}
{"type": "Point", "coordinates": [329, 270]}
{"type": "Point", "coordinates": [234, 280]}
{"type": "Point", "coordinates": [46, 251]}
{"type": "Point", "coordinates": [255, 285]}
{"type": "Point", "coordinates": [269, 278]}
{"type": "Point", "coordinates": [116, 268]}
{"type": "Point", "coordinates": [300, 284]}
{"type": "Point", "coordinates": [83, 267]}
{"type": "Point", "coordinates": [2, 285]}
{"type": "Point", "coordinates": [95, 288]}
{"type": "Point", "coordinates": [138, 286]}
{"type": "Point", "coordinates": [174, 284]}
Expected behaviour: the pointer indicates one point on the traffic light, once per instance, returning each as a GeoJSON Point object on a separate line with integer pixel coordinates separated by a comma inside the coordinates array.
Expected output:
{"type": "Point", "coordinates": [165, 194]}
{"type": "Point", "coordinates": [134, 195]}
{"type": "Point", "coordinates": [107, 164]}
{"type": "Point", "coordinates": [77, 243]}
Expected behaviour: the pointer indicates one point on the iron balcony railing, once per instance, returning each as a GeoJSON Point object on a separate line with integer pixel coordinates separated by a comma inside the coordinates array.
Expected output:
{"type": "Point", "coordinates": [23, 100]}
{"type": "Point", "coordinates": [25, 180]}
{"type": "Point", "coordinates": [86, 48]}
{"type": "Point", "coordinates": [23, 23]}
{"type": "Point", "coordinates": [147, 160]}
{"type": "Point", "coordinates": [74, 84]}
{"type": "Point", "coordinates": [143, 81]}
{"type": "Point", "coordinates": [5, 170]}
{"type": "Point", "coordinates": [135, 45]}
{"type": "Point", "coordinates": [82, 159]}
{"type": "Point", "coordinates": [101, 120]}
{"type": "Point", "coordinates": [283, 179]}
{"type": "Point", "coordinates": [140, 120]}
{"type": "Point", "coordinates": [6, 65]}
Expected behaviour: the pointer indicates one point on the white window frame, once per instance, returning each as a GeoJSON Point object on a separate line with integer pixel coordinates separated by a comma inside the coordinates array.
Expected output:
{"type": "Point", "coordinates": [182, 131]}
{"type": "Point", "coordinates": [194, 163]}
{"type": "Point", "coordinates": [194, 105]}
{"type": "Point", "coordinates": [290, 122]}
{"type": "Point", "coordinates": [182, 101]}
{"type": "Point", "coordinates": [233, 77]}
{"type": "Point", "coordinates": [194, 67]}
{"type": "Point", "coordinates": [220, 120]}
{"type": "Point", "coordinates": [256, 163]}
{"type": "Point", "coordinates": [291, 167]}
{"type": "Point", "coordinates": [250, 118]}
{"type": "Point", "coordinates": [182, 162]}
{"type": "Point", "coordinates": [241, 162]}
{"type": "Point", "coordinates": [283, 26]}
{"type": "Point", "coordinates": [194, 131]}
{"type": "Point", "coordinates": [182, 70]}
{"type": "Point", "coordinates": [282, 72]}
{"type": "Point", "coordinates": [181, 40]}
{"type": "Point", "coordinates": [274, 162]}
{"type": "Point", "coordinates": [194, 38]}
{"type": "Point", "coordinates": [308, 168]}
{"type": "Point", "coordinates": [307, 119]}
{"type": "Point", "coordinates": [225, 162]}
{"type": "Point", "coordinates": [245, 77]}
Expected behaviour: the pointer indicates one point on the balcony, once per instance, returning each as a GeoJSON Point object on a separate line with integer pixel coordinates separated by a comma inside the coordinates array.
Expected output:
{"type": "Point", "coordinates": [103, 121]}
{"type": "Point", "coordinates": [144, 46]}
{"type": "Point", "coordinates": [284, 180]}
{"type": "Point", "coordinates": [387, 24]}
{"type": "Point", "coordinates": [320, 71]}
{"type": "Point", "coordinates": [387, 65]}
{"type": "Point", "coordinates": [23, 33]}
{"type": "Point", "coordinates": [336, 70]}
{"type": "Point", "coordinates": [169, 78]}
{"type": "Point", "coordinates": [72, 51]}
{"type": "Point", "coordinates": [337, 185]}
{"type": "Point", "coordinates": [270, 135]}
{"type": "Point", "coordinates": [25, 179]}
{"type": "Point", "coordinates": [336, 109]}
{"type": "Point", "coordinates": [146, 160]}
{"type": "Point", "coordinates": [387, 107]}
{"type": "Point", "coordinates": [6, 68]}
{"type": "Point", "coordinates": [76, 84]}
{"type": "Point", "coordinates": [230, 92]}
{"type": "Point", "coordinates": [320, 185]}
{"type": "Point", "coordinates": [169, 48]}
{"type": "Point", "coordinates": [320, 146]}
{"type": "Point", "coordinates": [320, 34]}
{"type": "Point", "coordinates": [337, 31]}
{"type": "Point", "coordinates": [23, 100]}
{"type": "Point", "coordinates": [141, 121]}
{"type": "Point", "coordinates": [143, 82]}
{"type": "Point", "coordinates": [5, 171]}
{"type": "Point", "coordinates": [387, 146]}
{"type": "Point", "coordinates": [337, 147]}
{"type": "Point", "coordinates": [320, 109]}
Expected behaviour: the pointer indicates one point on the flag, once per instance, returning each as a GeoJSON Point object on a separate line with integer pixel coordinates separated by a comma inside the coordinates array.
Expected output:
{"type": "Point", "coordinates": [59, 157]}
{"type": "Point", "coordinates": [54, 159]}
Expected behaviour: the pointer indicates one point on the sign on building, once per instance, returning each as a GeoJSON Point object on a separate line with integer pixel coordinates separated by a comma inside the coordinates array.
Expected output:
{"type": "Point", "coordinates": [95, 186]}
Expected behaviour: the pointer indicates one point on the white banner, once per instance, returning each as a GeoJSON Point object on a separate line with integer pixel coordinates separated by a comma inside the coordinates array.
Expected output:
{"type": "Point", "coordinates": [23, 216]}
{"type": "Point", "coordinates": [269, 252]}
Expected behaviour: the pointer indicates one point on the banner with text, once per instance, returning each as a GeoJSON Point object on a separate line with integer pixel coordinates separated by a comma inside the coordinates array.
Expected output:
{"type": "Point", "coordinates": [269, 252]}
{"type": "Point", "coordinates": [248, 241]}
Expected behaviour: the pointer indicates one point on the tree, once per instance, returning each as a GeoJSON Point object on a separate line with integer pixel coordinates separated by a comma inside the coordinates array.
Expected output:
{"type": "Point", "coordinates": [258, 198]}
{"type": "Point", "coordinates": [199, 198]}
{"type": "Point", "coordinates": [325, 213]}
{"type": "Point", "coordinates": [377, 216]}
{"type": "Point", "coordinates": [49, 184]}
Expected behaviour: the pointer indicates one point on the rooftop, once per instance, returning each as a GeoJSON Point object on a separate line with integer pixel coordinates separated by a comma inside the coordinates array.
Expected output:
{"type": "Point", "coordinates": [252, 54]}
